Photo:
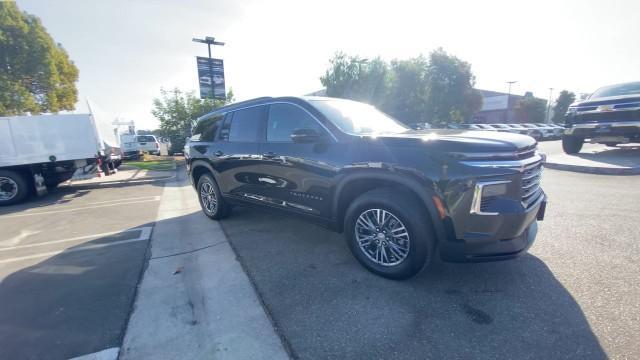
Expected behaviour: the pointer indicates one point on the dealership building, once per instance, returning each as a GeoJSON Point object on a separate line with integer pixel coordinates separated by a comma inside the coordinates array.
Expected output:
{"type": "Point", "coordinates": [498, 107]}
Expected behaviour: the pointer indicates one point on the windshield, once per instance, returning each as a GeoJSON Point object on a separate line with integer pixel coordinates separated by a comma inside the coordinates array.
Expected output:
{"type": "Point", "coordinates": [357, 118]}
{"type": "Point", "coordinates": [617, 90]}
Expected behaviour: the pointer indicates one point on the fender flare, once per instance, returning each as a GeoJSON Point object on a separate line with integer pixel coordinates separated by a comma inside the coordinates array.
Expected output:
{"type": "Point", "coordinates": [202, 163]}
{"type": "Point", "coordinates": [423, 191]}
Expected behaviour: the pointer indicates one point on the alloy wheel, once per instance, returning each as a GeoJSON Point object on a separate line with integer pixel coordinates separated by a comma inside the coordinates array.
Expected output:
{"type": "Point", "coordinates": [382, 237]}
{"type": "Point", "coordinates": [208, 197]}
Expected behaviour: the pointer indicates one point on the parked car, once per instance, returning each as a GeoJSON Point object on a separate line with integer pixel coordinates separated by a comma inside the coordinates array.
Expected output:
{"type": "Point", "coordinates": [554, 131]}
{"type": "Point", "coordinates": [397, 194]}
{"type": "Point", "coordinates": [130, 147]}
{"type": "Point", "coordinates": [504, 128]}
{"type": "Point", "coordinates": [535, 131]}
{"type": "Point", "coordinates": [486, 127]}
{"type": "Point", "coordinates": [519, 129]}
{"type": "Point", "coordinates": [610, 116]}
{"type": "Point", "coordinates": [149, 144]}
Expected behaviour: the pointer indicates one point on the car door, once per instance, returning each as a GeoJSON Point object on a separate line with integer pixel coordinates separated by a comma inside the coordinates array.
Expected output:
{"type": "Point", "coordinates": [234, 153]}
{"type": "Point", "coordinates": [298, 175]}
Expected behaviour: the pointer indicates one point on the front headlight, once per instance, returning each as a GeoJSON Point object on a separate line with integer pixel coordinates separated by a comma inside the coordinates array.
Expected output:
{"type": "Point", "coordinates": [572, 110]}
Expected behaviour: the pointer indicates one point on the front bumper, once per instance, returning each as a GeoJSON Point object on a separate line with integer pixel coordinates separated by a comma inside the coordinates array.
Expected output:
{"type": "Point", "coordinates": [614, 128]}
{"type": "Point", "coordinates": [477, 247]}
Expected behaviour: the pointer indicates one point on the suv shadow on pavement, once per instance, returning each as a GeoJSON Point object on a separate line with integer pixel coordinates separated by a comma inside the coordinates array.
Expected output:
{"type": "Point", "coordinates": [327, 306]}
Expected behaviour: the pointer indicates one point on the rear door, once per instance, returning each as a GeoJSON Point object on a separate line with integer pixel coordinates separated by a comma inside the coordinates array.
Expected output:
{"type": "Point", "coordinates": [234, 153]}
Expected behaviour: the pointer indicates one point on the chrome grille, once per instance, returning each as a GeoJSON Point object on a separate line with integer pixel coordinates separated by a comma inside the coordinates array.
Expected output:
{"type": "Point", "coordinates": [531, 190]}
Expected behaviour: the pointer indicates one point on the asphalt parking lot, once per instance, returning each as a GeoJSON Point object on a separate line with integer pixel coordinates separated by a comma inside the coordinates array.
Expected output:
{"type": "Point", "coordinates": [574, 296]}
{"type": "Point", "coordinates": [69, 264]}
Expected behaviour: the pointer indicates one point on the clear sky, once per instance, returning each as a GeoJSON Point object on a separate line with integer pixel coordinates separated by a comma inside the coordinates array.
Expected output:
{"type": "Point", "coordinates": [127, 50]}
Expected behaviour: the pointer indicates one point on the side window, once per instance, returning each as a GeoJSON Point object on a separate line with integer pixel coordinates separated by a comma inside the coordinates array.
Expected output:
{"type": "Point", "coordinates": [206, 129]}
{"type": "Point", "coordinates": [223, 135]}
{"type": "Point", "coordinates": [285, 118]}
{"type": "Point", "coordinates": [245, 124]}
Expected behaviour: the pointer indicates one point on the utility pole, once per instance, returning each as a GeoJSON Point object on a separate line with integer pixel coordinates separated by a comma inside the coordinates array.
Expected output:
{"type": "Point", "coordinates": [548, 120]}
{"type": "Point", "coordinates": [209, 41]}
{"type": "Point", "coordinates": [509, 99]}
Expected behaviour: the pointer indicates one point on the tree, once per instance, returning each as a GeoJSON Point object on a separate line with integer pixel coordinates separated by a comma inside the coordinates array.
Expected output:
{"type": "Point", "coordinates": [450, 94]}
{"type": "Point", "coordinates": [36, 74]}
{"type": "Point", "coordinates": [437, 90]}
{"type": "Point", "coordinates": [530, 110]}
{"type": "Point", "coordinates": [352, 77]}
{"type": "Point", "coordinates": [177, 112]}
{"type": "Point", "coordinates": [407, 98]}
{"type": "Point", "coordinates": [565, 98]}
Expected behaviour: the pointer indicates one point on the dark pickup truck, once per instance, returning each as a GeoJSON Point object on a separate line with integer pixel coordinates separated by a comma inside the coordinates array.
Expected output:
{"type": "Point", "coordinates": [400, 196]}
{"type": "Point", "coordinates": [610, 116]}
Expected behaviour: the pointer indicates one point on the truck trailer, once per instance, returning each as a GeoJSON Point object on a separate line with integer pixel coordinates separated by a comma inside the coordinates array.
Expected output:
{"type": "Point", "coordinates": [39, 152]}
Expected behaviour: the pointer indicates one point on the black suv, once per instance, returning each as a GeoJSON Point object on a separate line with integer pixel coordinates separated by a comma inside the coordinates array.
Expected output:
{"type": "Point", "coordinates": [610, 116]}
{"type": "Point", "coordinates": [399, 195]}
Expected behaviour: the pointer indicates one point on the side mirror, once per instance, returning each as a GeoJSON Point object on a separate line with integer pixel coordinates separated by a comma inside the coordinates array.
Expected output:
{"type": "Point", "coordinates": [305, 136]}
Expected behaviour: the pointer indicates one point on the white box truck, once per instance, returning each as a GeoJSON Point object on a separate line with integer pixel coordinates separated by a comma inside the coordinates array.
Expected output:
{"type": "Point", "coordinates": [40, 152]}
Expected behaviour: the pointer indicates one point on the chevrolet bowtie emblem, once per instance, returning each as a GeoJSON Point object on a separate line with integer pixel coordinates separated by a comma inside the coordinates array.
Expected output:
{"type": "Point", "coordinates": [605, 108]}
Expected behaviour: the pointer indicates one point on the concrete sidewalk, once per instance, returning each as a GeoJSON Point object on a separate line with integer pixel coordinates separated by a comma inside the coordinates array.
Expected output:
{"type": "Point", "coordinates": [599, 159]}
{"type": "Point", "coordinates": [195, 301]}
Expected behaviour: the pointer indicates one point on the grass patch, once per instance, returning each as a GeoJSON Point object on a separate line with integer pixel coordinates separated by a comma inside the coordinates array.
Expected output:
{"type": "Point", "coordinates": [153, 164]}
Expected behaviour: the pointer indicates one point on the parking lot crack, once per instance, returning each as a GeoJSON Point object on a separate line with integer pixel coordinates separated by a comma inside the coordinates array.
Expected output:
{"type": "Point", "coordinates": [189, 251]}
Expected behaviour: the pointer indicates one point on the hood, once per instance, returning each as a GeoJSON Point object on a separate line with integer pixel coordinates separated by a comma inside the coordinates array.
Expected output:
{"type": "Point", "coordinates": [459, 141]}
{"type": "Point", "coordinates": [608, 100]}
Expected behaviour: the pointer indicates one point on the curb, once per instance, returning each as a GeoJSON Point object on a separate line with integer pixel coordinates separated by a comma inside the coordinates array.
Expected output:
{"type": "Point", "coordinates": [593, 169]}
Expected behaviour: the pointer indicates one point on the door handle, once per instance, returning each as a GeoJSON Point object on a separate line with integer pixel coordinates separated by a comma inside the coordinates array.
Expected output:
{"type": "Point", "coordinates": [269, 155]}
{"type": "Point", "coordinates": [218, 153]}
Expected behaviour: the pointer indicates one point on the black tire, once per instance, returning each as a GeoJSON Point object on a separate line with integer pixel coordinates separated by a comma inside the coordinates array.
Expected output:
{"type": "Point", "coordinates": [572, 144]}
{"type": "Point", "coordinates": [222, 209]}
{"type": "Point", "coordinates": [411, 215]}
{"type": "Point", "coordinates": [536, 135]}
{"type": "Point", "coordinates": [14, 186]}
{"type": "Point", "coordinates": [611, 144]}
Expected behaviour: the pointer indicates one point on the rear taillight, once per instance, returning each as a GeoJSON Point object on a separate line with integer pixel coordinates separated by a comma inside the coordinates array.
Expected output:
{"type": "Point", "coordinates": [157, 145]}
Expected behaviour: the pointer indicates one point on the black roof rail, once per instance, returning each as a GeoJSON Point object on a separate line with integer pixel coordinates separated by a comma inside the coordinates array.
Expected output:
{"type": "Point", "coordinates": [234, 106]}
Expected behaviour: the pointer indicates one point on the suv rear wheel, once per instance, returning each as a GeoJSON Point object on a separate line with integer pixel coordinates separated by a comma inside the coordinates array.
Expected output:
{"type": "Point", "coordinates": [388, 234]}
{"type": "Point", "coordinates": [572, 144]}
{"type": "Point", "coordinates": [211, 201]}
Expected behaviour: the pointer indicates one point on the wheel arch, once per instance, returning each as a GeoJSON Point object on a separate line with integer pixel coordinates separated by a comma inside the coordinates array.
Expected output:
{"type": "Point", "coordinates": [357, 183]}
{"type": "Point", "coordinates": [200, 167]}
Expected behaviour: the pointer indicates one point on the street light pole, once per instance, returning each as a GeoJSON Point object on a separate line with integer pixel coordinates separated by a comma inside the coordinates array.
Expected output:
{"type": "Point", "coordinates": [548, 120]}
{"type": "Point", "coordinates": [209, 41]}
{"type": "Point", "coordinates": [509, 98]}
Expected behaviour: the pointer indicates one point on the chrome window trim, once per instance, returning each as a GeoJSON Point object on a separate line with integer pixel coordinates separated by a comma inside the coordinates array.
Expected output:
{"type": "Point", "coordinates": [335, 139]}
{"type": "Point", "coordinates": [476, 203]}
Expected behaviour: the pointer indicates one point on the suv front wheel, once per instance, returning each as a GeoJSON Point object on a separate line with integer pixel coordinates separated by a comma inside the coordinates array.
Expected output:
{"type": "Point", "coordinates": [389, 234]}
